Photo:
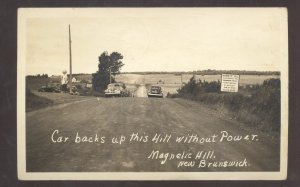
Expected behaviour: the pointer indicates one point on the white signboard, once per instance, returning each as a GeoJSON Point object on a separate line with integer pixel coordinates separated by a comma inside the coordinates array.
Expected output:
{"type": "Point", "coordinates": [230, 83]}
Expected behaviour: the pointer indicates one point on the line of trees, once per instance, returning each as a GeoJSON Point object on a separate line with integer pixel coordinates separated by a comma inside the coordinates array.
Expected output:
{"type": "Point", "coordinates": [38, 76]}
{"type": "Point", "coordinates": [210, 72]}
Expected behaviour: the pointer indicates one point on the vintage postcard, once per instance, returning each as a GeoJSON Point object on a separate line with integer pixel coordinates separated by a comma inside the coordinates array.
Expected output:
{"type": "Point", "coordinates": [152, 93]}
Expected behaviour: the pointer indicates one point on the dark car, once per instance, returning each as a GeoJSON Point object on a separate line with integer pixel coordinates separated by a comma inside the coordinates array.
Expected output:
{"type": "Point", "coordinates": [155, 91]}
{"type": "Point", "coordinates": [49, 88]}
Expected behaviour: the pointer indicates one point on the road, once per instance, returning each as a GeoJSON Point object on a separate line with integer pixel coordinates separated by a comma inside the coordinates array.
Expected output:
{"type": "Point", "coordinates": [116, 117]}
{"type": "Point", "coordinates": [141, 91]}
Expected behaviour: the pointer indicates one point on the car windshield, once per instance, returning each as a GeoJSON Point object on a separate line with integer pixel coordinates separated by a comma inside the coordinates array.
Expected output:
{"type": "Point", "coordinates": [155, 88]}
{"type": "Point", "coordinates": [113, 86]}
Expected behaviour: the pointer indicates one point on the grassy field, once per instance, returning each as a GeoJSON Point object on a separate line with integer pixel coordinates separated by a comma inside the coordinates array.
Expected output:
{"type": "Point", "coordinates": [34, 83]}
{"type": "Point", "coordinates": [170, 83]}
{"type": "Point", "coordinates": [176, 79]}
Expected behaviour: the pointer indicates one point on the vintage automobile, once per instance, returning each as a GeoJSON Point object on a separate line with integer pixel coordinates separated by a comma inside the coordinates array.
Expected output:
{"type": "Point", "coordinates": [155, 91]}
{"type": "Point", "coordinates": [116, 90]}
{"type": "Point", "coordinates": [74, 91]}
{"type": "Point", "coordinates": [50, 88]}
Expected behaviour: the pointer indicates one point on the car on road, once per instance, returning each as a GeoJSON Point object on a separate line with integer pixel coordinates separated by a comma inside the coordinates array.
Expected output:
{"type": "Point", "coordinates": [155, 91]}
{"type": "Point", "coordinates": [116, 90]}
{"type": "Point", "coordinates": [50, 88]}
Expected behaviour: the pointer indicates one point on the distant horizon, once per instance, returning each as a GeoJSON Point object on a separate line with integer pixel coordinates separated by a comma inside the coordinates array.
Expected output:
{"type": "Point", "coordinates": [167, 72]}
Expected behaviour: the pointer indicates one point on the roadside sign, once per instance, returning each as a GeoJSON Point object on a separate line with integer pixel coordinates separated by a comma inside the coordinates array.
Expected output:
{"type": "Point", "coordinates": [230, 83]}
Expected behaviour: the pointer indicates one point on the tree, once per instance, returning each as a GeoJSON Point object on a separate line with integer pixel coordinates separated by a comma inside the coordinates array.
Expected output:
{"type": "Point", "coordinates": [107, 63]}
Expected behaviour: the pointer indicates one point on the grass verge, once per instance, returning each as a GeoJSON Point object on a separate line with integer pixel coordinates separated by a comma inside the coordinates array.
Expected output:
{"type": "Point", "coordinates": [34, 102]}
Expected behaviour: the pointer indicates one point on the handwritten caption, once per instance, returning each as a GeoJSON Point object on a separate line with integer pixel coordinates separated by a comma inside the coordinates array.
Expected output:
{"type": "Point", "coordinates": [199, 158]}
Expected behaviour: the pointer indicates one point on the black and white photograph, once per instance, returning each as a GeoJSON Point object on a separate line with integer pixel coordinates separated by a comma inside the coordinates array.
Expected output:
{"type": "Point", "coordinates": [152, 93]}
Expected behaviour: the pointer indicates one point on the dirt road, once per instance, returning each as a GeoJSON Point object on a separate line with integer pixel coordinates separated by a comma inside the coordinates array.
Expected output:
{"type": "Point", "coordinates": [141, 120]}
{"type": "Point", "coordinates": [141, 91]}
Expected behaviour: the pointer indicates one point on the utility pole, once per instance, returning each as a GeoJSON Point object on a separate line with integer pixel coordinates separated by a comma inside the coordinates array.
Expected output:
{"type": "Point", "coordinates": [109, 74]}
{"type": "Point", "coordinates": [70, 50]}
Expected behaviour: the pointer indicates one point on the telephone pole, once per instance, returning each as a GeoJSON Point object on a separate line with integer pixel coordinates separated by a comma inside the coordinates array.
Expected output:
{"type": "Point", "coordinates": [109, 74]}
{"type": "Point", "coordinates": [70, 50]}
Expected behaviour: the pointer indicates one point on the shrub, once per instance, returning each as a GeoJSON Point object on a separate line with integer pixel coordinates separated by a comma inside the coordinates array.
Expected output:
{"type": "Point", "coordinates": [261, 102]}
{"type": "Point", "coordinates": [194, 87]}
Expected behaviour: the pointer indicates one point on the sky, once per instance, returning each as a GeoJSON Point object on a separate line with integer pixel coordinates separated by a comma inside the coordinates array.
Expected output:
{"type": "Point", "coordinates": [156, 39]}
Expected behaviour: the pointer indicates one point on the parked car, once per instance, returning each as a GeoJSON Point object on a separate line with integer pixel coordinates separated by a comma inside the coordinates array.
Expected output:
{"type": "Point", "coordinates": [49, 88]}
{"type": "Point", "coordinates": [155, 91]}
{"type": "Point", "coordinates": [74, 91]}
{"type": "Point", "coordinates": [116, 89]}
{"type": "Point", "coordinates": [80, 89]}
